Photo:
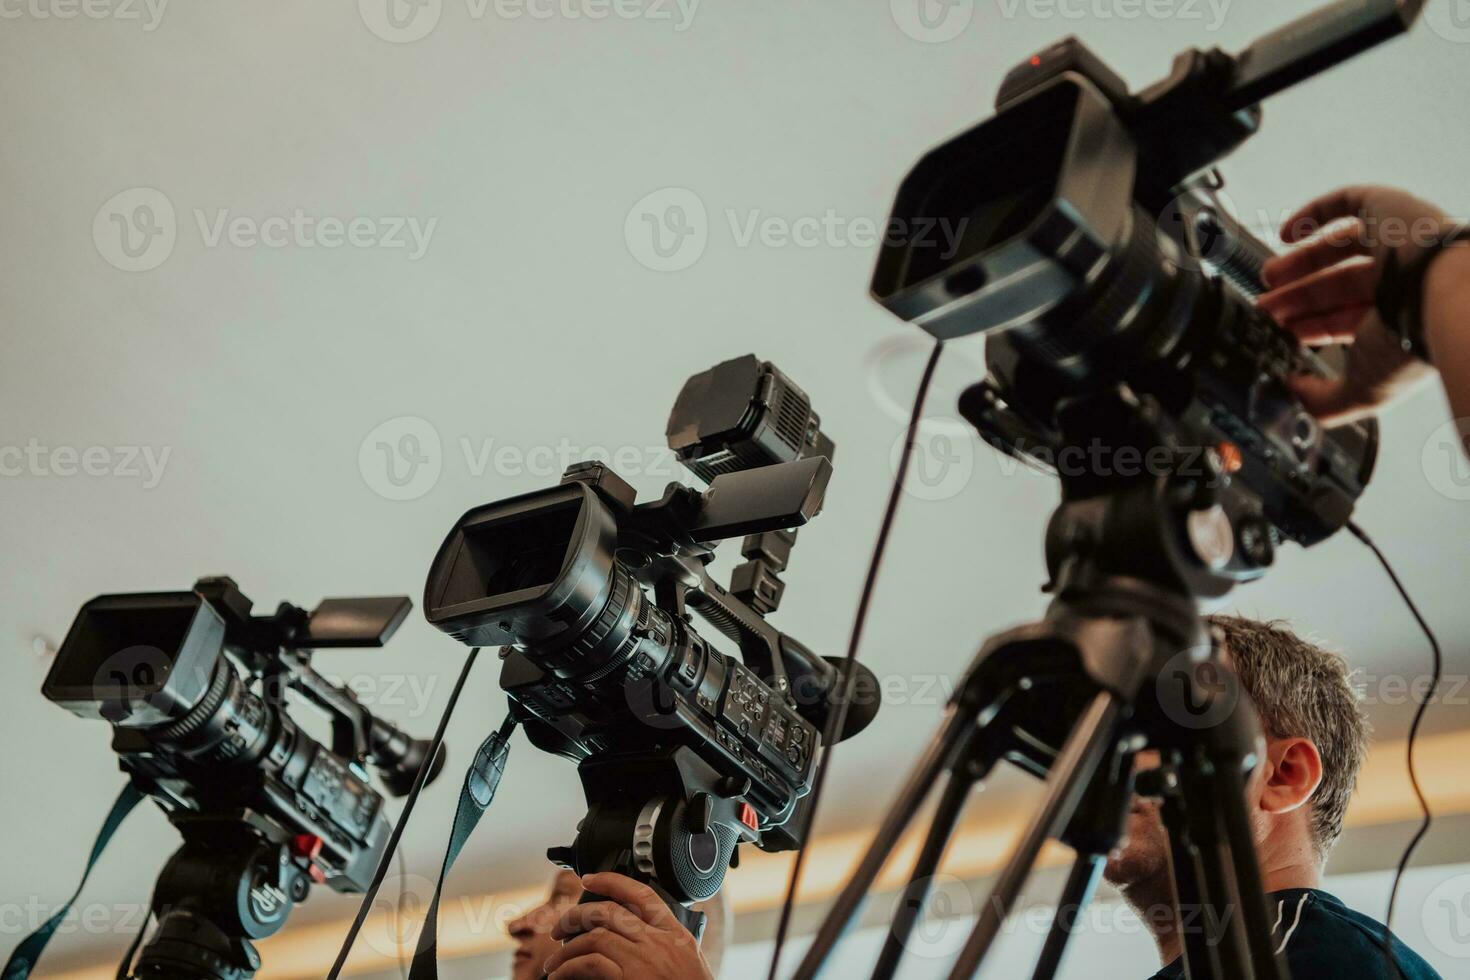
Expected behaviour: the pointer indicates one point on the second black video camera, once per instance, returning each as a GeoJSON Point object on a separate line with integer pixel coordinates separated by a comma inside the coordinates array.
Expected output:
{"type": "Point", "coordinates": [683, 751]}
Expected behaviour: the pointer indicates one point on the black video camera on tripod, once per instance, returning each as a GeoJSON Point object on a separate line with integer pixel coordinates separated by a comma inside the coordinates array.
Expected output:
{"type": "Point", "coordinates": [1117, 295]}
{"type": "Point", "coordinates": [683, 751]}
{"type": "Point", "coordinates": [265, 810]}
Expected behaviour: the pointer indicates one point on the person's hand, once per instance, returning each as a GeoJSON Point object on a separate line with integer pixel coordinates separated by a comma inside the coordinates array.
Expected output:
{"type": "Point", "coordinates": [1324, 292]}
{"type": "Point", "coordinates": [632, 936]}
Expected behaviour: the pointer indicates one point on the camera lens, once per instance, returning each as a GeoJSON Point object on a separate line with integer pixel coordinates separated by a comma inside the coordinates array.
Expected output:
{"type": "Point", "coordinates": [230, 725]}
{"type": "Point", "coordinates": [1140, 307]}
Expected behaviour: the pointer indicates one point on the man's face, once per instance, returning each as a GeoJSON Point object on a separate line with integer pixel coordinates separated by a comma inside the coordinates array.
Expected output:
{"type": "Point", "coordinates": [1144, 854]}
{"type": "Point", "coordinates": [532, 931]}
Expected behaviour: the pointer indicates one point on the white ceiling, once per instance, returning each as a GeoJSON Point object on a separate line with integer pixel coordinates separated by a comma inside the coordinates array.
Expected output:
{"type": "Point", "coordinates": [529, 320]}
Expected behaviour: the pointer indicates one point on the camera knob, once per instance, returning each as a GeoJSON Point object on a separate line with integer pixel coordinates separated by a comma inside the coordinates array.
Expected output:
{"type": "Point", "coordinates": [733, 786]}
{"type": "Point", "coordinates": [1257, 545]}
{"type": "Point", "coordinates": [701, 813]}
{"type": "Point", "coordinates": [1211, 536]}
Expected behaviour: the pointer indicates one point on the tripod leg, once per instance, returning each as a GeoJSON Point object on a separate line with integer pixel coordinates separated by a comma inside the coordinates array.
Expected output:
{"type": "Point", "coordinates": [1199, 956]}
{"type": "Point", "coordinates": [1217, 898]}
{"type": "Point", "coordinates": [951, 803]}
{"type": "Point", "coordinates": [953, 731]}
{"type": "Point", "coordinates": [1230, 797]}
{"type": "Point", "coordinates": [1076, 894]}
{"type": "Point", "coordinates": [1089, 744]}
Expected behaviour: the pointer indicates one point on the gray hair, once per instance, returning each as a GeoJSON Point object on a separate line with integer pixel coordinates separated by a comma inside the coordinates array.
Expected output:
{"type": "Point", "coordinates": [1302, 690]}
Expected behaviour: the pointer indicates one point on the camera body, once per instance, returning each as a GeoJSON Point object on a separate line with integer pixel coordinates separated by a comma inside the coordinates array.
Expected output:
{"type": "Point", "coordinates": [597, 667]}
{"type": "Point", "coordinates": [1117, 298]}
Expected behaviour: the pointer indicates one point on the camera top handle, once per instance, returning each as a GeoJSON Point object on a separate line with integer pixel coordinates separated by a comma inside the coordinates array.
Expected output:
{"type": "Point", "coordinates": [1210, 101]}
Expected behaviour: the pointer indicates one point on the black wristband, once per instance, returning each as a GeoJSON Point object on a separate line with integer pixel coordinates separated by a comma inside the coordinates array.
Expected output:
{"type": "Point", "coordinates": [1400, 296]}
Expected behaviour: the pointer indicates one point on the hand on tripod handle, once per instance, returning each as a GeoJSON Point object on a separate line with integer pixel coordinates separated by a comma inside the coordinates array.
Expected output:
{"type": "Point", "coordinates": [624, 931]}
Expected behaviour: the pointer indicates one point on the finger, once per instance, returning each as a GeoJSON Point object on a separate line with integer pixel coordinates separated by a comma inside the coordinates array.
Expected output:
{"type": "Point", "coordinates": [598, 942]}
{"type": "Point", "coordinates": [592, 967]}
{"type": "Point", "coordinates": [1337, 244]}
{"type": "Point", "coordinates": [1337, 327]}
{"type": "Point", "coordinates": [1351, 284]}
{"type": "Point", "coordinates": [1329, 399]}
{"type": "Point", "coordinates": [1342, 203]}
{"type": "Point", "coordinates": [599, 915]}
{"type": "Point", "coordinates": [632, 895]}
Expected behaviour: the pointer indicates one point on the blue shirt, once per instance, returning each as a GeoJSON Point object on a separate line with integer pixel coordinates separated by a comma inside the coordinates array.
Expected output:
{"type": "Point", "coordinates": [1323, 939]}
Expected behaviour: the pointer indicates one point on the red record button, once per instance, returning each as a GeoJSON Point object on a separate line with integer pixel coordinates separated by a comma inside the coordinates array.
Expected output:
{"type": "Point", "coordinates": [748, 816]}
{"type": "Point", "coordinates": [306, 846]}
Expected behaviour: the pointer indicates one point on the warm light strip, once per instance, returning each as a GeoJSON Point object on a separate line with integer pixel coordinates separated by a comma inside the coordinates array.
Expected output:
{"type": "Point", "coordinates": [475, 924]}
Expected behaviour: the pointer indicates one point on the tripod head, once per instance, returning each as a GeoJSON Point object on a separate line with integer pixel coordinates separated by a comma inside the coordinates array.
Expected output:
{"type": "Point", "coordinates": [229, 883]}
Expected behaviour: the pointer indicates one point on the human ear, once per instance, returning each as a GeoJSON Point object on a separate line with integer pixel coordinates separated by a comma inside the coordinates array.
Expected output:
{"type": "Point", "coordinates": [1294, 771]}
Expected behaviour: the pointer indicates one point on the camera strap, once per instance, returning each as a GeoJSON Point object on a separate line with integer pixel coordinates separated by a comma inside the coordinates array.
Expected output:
{"type": "Point", "coordinates": [435, 746]}
{"type": "Point", "coordinates": [23, 960]}
{"type": "Point", "coordinates": [480, 784]}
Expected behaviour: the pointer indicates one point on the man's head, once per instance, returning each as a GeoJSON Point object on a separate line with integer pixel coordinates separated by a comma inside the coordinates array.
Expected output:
{"type": "Point", "coordinates": [1316, 737]}
{"type": "Point", "coordinates": [532, 931]}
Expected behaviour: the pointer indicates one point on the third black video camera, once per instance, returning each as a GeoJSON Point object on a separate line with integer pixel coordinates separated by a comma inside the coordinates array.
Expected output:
{"type": "Point", "coordinates": [1117, 291]}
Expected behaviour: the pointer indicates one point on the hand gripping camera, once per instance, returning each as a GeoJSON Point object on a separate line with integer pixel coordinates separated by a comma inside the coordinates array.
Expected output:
{"type": "Point", "coordinates": [265, 810]}
{"type": "Point", "coordinates": [684, 752]}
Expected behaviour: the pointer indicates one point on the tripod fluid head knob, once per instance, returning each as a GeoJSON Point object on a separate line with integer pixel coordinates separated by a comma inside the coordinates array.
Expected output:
{"type": "Point", "coordinates": [189, 946]}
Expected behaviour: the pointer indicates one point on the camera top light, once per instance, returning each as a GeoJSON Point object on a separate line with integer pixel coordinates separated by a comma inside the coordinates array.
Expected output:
{"type": "Point", "coordinates": [741, 414]}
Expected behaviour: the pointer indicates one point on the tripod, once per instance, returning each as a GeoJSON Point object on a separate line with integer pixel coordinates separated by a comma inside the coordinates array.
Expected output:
{"type": "Point", "coordinates": [1120, 663]}
{"type": "Point", "coordinates": [228, 884]}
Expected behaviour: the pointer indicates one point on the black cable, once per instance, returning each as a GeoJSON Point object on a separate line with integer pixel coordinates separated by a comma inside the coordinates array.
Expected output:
{"type": "Point", "coordinates": [839, 714]}
{"type": "Point", "coordinates": [418, 784]}
{"type": "Point", "coordinates": [398, 914]}
{"type": "Point", "coordinates": [1423, 706]}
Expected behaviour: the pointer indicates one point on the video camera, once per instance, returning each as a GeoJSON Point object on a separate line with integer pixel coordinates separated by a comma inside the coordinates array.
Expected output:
{"type": "Point", "coordinates": [265, 810]}
{"type": "Point", "coordinates": [683, 752]}
{"type": "Point", "coordinates": [1116, 290]}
